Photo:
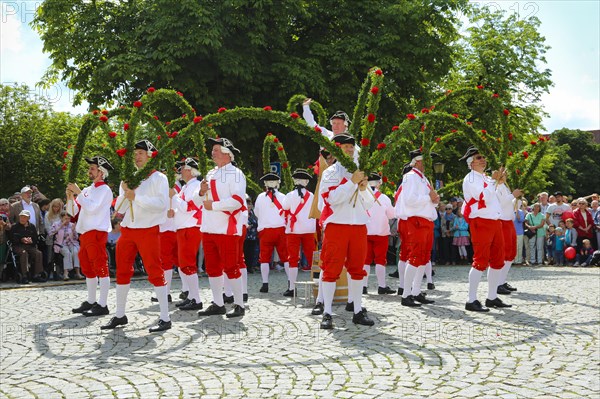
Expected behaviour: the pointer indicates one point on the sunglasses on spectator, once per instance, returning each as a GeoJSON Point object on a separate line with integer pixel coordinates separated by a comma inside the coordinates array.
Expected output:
{"type": "Point", "coordinates": [478, 157]}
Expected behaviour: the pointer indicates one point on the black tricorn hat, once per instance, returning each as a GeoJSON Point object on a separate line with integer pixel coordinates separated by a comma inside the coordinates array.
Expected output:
{"type": "Point", "coordinates": [301, 174]}
{"type": "Point", "coordinates": [374, 177]}
{"type": "Point", "coordinates": [415, 153]}
{"type": "Point", "coordinates": [145, 145]}
{"type": "Point", "coordinates": [222, 141]}
{"type": "Point", "coordinates": [100, 161]}
{"type": "Point", "coordinates": [270, 177]}
{"type": "Point", "coordinates": [344, 139]}
{"type": "Point", "coordinates": [340, 115]}
{"type": "Point", "coordinates": [470, 152]}
{"type": "Point", "coordinates": [191, 162]}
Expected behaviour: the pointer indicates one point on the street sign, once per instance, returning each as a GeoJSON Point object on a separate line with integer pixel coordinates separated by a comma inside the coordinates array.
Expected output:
{"type": "Point", "coordinates": [276, 168]}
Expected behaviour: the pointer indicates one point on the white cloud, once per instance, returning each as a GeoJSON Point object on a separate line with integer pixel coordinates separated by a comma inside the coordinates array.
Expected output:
{"type": "Point", "coordinates": [571, 110]}
{"type": "Point", "coordinates": [11, 39]}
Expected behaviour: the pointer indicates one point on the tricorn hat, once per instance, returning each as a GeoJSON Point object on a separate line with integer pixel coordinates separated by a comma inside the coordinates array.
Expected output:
{"type": "Point", "coordinates": [344, 139]}
{"type": "Point", "coordinates": [340, 115]}
{"type": "Point", "coordinates": [301, 174]}
{"type": "Point", "coordinates": [374, 177]}
{"type": "Point", "coordinates": [100, 161]}
{"type": "Point", "coordinates": [145, 145]}
{"type": "Point", "coordinates": [222, 141]}
{"type": "Point", "coordinates": [270, 177]}
{"type": "Point", "coordinates": [470, 152]}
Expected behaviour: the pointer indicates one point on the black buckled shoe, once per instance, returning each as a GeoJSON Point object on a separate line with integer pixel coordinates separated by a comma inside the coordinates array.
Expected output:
{"type": "Point", "coordinates": [191, 305]}
{"type": "Point", "coordinates": [496, 303]}
{"type": "Point", "coordinates": [96, 310]}
{"type": "Point", "coordinates": [289, 293]}
{"type": "Point", "coordinates": [184, 294]}
{"type": "Point", "coordinates": [245, 297]}
{"type": "Point", "coordinates": [39, 279]}
{"type": "Point", "coordinates": [227, 299]}
{"type": "Point", "coordinates": [430, 286]}
{"type": "Point", "coordinates": [476, 306]}
{"type": "Point", "coordinates": [365, 290]}
{"type": "Point", "coordinates": [410, 302]}
{"type": "Point", "coordinates": [83, 307]}
{"type": "Point", "coordinates": [385, 290]}
{"type": "Point", "coordinates": [400, 290]}
{"type": "Point", "coordinates": [160, 326]}
{"type": "Point", "coordinates": [501, 290]}
{"type": "Point", "coordinates": [183, 302]}
{"type": "Point", "coordinates": [212, 310]}
{"type": "Point", "coordinates": [327, 322]}
{"type": "Point", "coordinates": [155, 299]}
{"type": "Point", "coordinates": [349, 306]}
{"type": "Point", "coordinates": [394, 274]}
{"type": "Point", "coordinates": [421, 298]}
{"type": "Point", "coordinates": [318, 309]}
{"type": "Point", "coordinates": [509, 287]}
{"type": "Point", "coordinates": [237, 311]}
{"type": "Point", "coordinates": [265, 288]}
{"type": "Point", "coordinates": [362, 318]}
{"type": "Point", "coordinates": [115, 322]}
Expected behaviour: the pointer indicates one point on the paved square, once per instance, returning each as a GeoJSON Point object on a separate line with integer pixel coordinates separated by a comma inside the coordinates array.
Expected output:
{"type": "Point", "coordinates": [545, 346]}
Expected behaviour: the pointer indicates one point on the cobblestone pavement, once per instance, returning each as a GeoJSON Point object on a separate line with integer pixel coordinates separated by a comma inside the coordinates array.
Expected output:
{"type": "Point", "coordinates": [545, 346]}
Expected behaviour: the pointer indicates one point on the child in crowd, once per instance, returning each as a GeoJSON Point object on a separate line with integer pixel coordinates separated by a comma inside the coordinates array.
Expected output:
{"type": "Point", "coordinates": [461, 239]}
{"type": "Point", "coordinates": [66, 243]}
{"type": "Point", "coordinates": [559, 247]}
{"type": "Point", "coordinates": [570, 235]}
{"type": "Point", "coordinates": [550, 238]}
{"type": "Point", "coordinates": [584, 254]}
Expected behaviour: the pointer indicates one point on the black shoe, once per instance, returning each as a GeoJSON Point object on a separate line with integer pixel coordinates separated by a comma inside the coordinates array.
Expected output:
{"type": "Point", "coordinates": [191, 305]}
{"type": "Point", "coordinates": [349, 306]}
{"type": "Point", "coordinates": [318, 309]}
{"type": "Point", "coordinates": [184, 294]}
{"type": "Point", "coordinates": [24, 280]}
{"type": "Point", "coordinates": [289, 293]}
{"type": "Point", "coordinates": [327, 322]}
{"type": "Point", "coordinates": [385, 290]}
{"type": "Point", "coordinates": [227, 299]}
{"type": "Point", "coordinates": [501, 290]}
{"type": "Point", "coordinates": [362, 318]}
{"type": "Point", "coordinates": [155, 299]}
{"type": "Point", "coordinates": [183, 303]}
{"type": "Point", "coordinates": [264, 288]}
{"type": "Point", "coordinates": [410, 302]}
{"type": "Point", "coordinates": [421, 298]}
{"type": "Point", "coordinates": [237, 311]}
{"type": "Point", "coordinates": [509, 287]}
{"type": "Point", "coordinates": [365, 291]}
{"type": "Point", "coordinates": [115, 322]}
{"type": "Point", "coordinates": [39, 279]}
{"type": "Point", "coordinates": [245, 297]}
{"type": "Point", "coordinates": [394, 274]}
{"type": "Point", "coordinates": [476, 306]}
{"type": "Point", "coordinates": [96, 310]}
{"type": "Point", "coordinates": [400, 291]}
{"type": "Point", "coordinates": [213, 309]}
{"type": "Point", "coordinates": [430, 286]}
{"type": "Point", "coordinates": [160, 326]}
{"type": "Point", "coordinates": [496, 303]}
{"type": "Point", "coordinates": [83, 307]}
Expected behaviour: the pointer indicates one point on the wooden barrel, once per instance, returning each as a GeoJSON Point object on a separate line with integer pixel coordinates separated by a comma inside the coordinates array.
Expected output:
{"type": "Point", "coordinates": [341, 287]}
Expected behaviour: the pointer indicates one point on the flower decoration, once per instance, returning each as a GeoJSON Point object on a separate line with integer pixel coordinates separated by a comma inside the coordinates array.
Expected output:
{"type": "Point", "coordinates": [158, 137]}
{"type": "Point", "coordinates": [318, 129]}
{"type": "Point", "coordinates": [533, 142]}
{"type": "Point", "coordinates": [395, 127]}
{"type": "Point", "coordinates": [126, 126]}
{"type": "Point", "coordinates": [378, 72]}
{"type": "Point", "coordinates": [374, 90]}
{"type": "Point", "coordinates": [422, 127]}
{"type": "Point", "coordinates": [155, 117]}
{"type": "Point", "coordinates": [518, 171]}
{"type": "Point", "coordinates": [455, 115]}
{"type": "Point", "coordinates": [103, 118]}
{"type": "Point", "coordinates": [275, 140]}
{"type": "Point", "coordinates": [268, 108]}
{"type": "Point", "coordinates": [495, 95]}
{"type": "Point", "coordinates": [64, 167]}
{"type": "Point", "coordinates": [483, 131]}
{"type": "Point", "coordinates": [294, 115]}
{"type": "Point", "coordinates": [506, 112]}
{"type": "Point", "coordinates": [437, 139]}
{"type": "Point", "coordinates": [480, 87]}
{"type": "Point", "coordinates": [525, 154]}
{"type": "Point", "coordinates": [425, 110]}
{"type": "Point", "coordinates": [510, 153]}
{"type": "Point", "coordinates": [221, 110]}
{"type": "Point", "coordinates": [121, 152]}
{"type": "Point", "coordinates": [151, 90]}
{"type": "Point", "coordinates": [174, 152]}
{"type": "Point", "coordinates": [381, 146]}
{"type": "Point", "coordinates": [104, 112]}
{"type": "Point", "coordinates": [184, 116]}
{"type": "Point", "coordinates": [510, 136]}
{"type": "Point", "coordinates": [364, 142]}
{"type": "Point", "coordinates": [284, 165]}
{"type": "Point", "coordinates": [384, 179]}
{"type": "Point", "coordinates": [180, 94]}
{"type": "Point", "coordinates": [197, 119]}
{"type": "Point", "coordinates": [470, 123]}
{"type": "Point", "coordinates": [371, 118]}
{"type": "Point", "coordinates": [137, 104]}
{"type": "Point", "coordinates": [280, 148]}
{"type": "Point", "coordinates": [95, 112]}
{"type": "Point", "coordinates": [112, 135]}
{"type": "Point", "coordinates": [384, 162]}
{"type": "Point", "coordinates": [154, 154]}
{"type": "Point", "coordinates": [453, 131]}
{"type": "Point", "coordinates": [65, 154]}
{"type": "Point", "coordinates": [167, 123]}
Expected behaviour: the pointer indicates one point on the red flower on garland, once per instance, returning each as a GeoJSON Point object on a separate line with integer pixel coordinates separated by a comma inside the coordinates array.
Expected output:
{"type": "Point", "coordinates": [506, 112]}
{"type": "Point", "coordinates": [453, 130]}
{"type": "Point", "coordinates": [65, 154]}
{"type": "Point", "coordinates": [121, 152]}
{"type": "Point", "coordinates": [158, 137]}
{"type": "Point", "coordinates": [384, 162]}
{"type": "Point", "coordinates": [371, 118]}
{"type": "Point", "coordinates": [180, 94]}
{"type": "Point", "coordinates": [364, 142]}
{"type": "Point", "coordinates": [518, 171]}
{"type": "Point", "coordinates": [437, 139]}
{"type": "Point", "coordinates": [510, 136]}
{"type": "Point", "coordinates": [423, 127]}
{"type": "Point", "coordinates": [154, 154]}
{"type": "Point", "coordinates": [155, 117]}
{"type": "Point", "coordinates": [184, 116]}
{"type": "Point", "coordinates": [69, 146]}
{"type": "Point", "coordinates": [269, 134]}
{"type": "Point", "coordinates": [455, 115]}
{"type": "Point", "coordinates": [525, 154]}
{"type": "Point", "coordinates": [448, 92]}
{"type": "Point", "coordinates": [495, 95]}
{"type": "Point", "coordinates": [378, 72]}
{"type": "Point", "coordinates": [167, 123]}
{"type": "Point", "coordinates": [95, 112]}
{"type": "Point", "coordinates": [510, 153]}
{"type": "Point", "coordinates": [394, 128]}
{"type": "Point", "coordinates": [480, 87]}
{"type": "Point", "coordinates": [483, 131]}
{"type": "Point", "coordinates": [318, 129]}
{"type": "Point", "coordinates": [381, 146]}
{"type": "Point", "coordinates": [126, 126]}
{"type": "Point", "coordinates": [112, 135]}
{"type": "Point", "coordinates": [275, 140]}
{"type": "Point", "coordinates": [103, 118]}
{"type": "Point", "coordinates": [173, 135]}
{"type": "Point", "coordinates": [384, 179]}
{"type": "Point", "coordinates": [104, 112]}
{"type": "Point", "coordinates": [410, 117]}
{"type": "Point", "coordinates": [425, 111]}
{"type": "Point", "coordinates": [64, 167]}
{"type": "Point", "coordinates": [280, 148]}
{"type": "Point", "coordinates": [151, 90]}
{"type": "Point", "coordinates": [284, 165]}
{"type": "Point", "coordinates": [221, 110]}
{"type": "Point", "coordinates": [533, 142]}
{"type": "Point", "coordinates": [294, 115]}
{"type": "Point", "coordinates": [338, 145]}
{"type": "Point", "coordinates": [174, 152]}
{"type": "Point", "coordinates": [470, 123]}
{"type": "Point", "coordinates": [137, 104]}
{"type": "Point", "coordinates": [197, 119]}
{"type": "Point", "coordinates": [374, 90]}
{"type": "Point", "coordinates": [268, 108]}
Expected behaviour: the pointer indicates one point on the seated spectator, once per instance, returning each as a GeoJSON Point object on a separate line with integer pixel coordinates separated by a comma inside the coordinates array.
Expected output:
{"type": "Point", "coordinates": [584, 254]}
{"type": "Point", "coordinates": [67, 244]}
{"type": "Point", "coordinates": [559, 246]}
{"type": "Point", "coordinates": [4, 227]}
{"type": "Point", "coordinates": [25, 238]}
{"type": "Point", "coordinates": [25, 203]}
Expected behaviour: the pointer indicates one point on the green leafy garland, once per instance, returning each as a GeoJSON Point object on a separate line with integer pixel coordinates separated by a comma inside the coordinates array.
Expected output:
{"type": "Point", "coordinates": [272, 141]}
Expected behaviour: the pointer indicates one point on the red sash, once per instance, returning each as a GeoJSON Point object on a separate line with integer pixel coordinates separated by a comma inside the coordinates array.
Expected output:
{"type": "Point", "coordinates": [293, 215]}
{"type": "Point", "coordinates": [418, 173]}
{"type": "Point", "coordinates": [327, 211]}
{"type": "Point", "coordinates": [397, 195]}
{"type": "Point", "coordinates": [480, 204]}
{"type": "Point", "coordinates": [232, 225]}
{"type": "Point", "coordinates": [191, 206]}
{"type": "Point", "coordinates": [276, 202]}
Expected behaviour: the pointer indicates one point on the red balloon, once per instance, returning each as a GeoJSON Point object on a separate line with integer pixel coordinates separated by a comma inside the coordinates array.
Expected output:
{"type": "Point", "coordinates": [570, 253]}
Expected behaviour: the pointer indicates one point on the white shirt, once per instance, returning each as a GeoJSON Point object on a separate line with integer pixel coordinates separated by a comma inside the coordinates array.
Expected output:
{"type": "Point", "coordinates": [187, 212]}
{"type": "Point", "coordinates": [227, 188]}
{"type": "Point", "coordinates": [29, 207]}
{"type": "Point", "coordinates": [338, 204]}
{"type": "Point", "coordinates": [302, 223]}
{"type": "Point", "coordinates": [397, 208]}
{"type": "Point", "coordinates": [414, 201]}
{"type": "Point", "coordinates": [507, 208]}
{"type": "Point", "coordinates": [168, 225]}
{"type": "Point", "coordinates": [380, 215]}
{"type": "Point", "coordinates": [270, 214]}
{"type": "Point", "coordinates": [93, 208]}
{"type": "Point", "coordinates": [480, 192]}
{"type": "Point", "coordinates": [150, 204]}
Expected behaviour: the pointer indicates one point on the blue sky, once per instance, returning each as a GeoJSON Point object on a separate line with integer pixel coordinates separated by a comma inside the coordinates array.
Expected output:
{"type": "Point", "coordinates": [571, 29]}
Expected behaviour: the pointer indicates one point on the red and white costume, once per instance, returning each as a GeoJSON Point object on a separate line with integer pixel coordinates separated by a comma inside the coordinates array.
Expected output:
{"type": "Point", "coordinates": [404, 247]}
{"type": "Point", "coordinates": [270, 213]}
{"type": "Point", "coordinates": [378, 234]}
{"type": "Point", "coordinates": [507, 217]}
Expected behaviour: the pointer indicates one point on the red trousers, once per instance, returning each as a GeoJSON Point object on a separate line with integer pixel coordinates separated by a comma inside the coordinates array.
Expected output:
{"type": "Point", "coordinates": [344, 244]}
{"type": "Point", "coordinates": [93, 258]}
{"type": "Point", "coordinates": [221, 255]}
{"type": "Point", "coordinates": [168, 249]}
{"type": "Point", "coordinates": [188, 244]}
{"type": "Point", "coordinates": [377, 250]}
{"type": "Point", "coordinates": [488, 243]}
{"type": "Point", "coordinates": [510, 240]}
{"type": "Point", "coordinates": [241, 257]}
{"type": "Point", "coordinates": [404, 247]}
{"type": "Point", "coordinates": [308, 247]}
{"type": "Point", "coordinates": [147, 243]}
{"type": "Point", "coordinates": [270, 239]}
{"type": "Point", "coordinates": [419, 236]}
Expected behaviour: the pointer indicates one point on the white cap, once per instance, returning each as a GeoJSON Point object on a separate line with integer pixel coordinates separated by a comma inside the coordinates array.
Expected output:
{"type": "Point", "coordinates": [25, 189]}
{"type": "Point", "coordinates": [25, 212]}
